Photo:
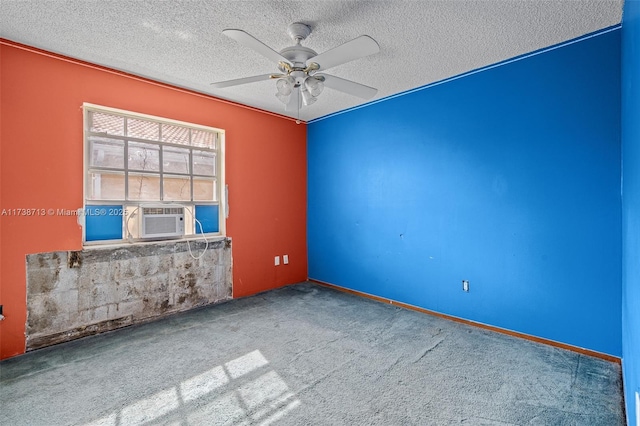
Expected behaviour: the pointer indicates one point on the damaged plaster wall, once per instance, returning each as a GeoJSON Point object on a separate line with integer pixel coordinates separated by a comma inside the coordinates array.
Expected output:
{"type": "Point", "coordinates": [75, 294]}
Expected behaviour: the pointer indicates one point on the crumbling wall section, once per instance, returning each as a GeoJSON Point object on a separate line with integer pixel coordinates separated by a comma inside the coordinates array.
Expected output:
{"type": "Point", "coordinates": [75, 294]}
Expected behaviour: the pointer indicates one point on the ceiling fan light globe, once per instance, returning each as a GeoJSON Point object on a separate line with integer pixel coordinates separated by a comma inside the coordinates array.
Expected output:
{"type": "Point", "coordinates": [314, 86]}
{"type": "Point", "coordinates": [284, 86]}
{"type": "Point", "coordinates": [308, 101]}
{"type": "Point", "coordinates": [283, 98]}
{"type": "Point", "coordinates": [307, 98]}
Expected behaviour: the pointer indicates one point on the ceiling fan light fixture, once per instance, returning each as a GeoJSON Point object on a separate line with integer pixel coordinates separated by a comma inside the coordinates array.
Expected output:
{"type": "Point", "coordinates": [285, 85]}
{"type": "Point", "coordinates": [314, 85]}
{"type": "Point", "coordinates": [307, 98]}
{"type": "Point", "coordinates": [283, 98]}
{"type": "Point", "coordinates": [297, 84]}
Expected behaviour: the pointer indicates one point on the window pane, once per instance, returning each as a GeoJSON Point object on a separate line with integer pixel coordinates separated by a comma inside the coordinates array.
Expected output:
{"type": "Point", "coordinates": [106, 152]}
{"type": "Point", "coordinates": [204, 189]}
{"type": "Point", "coordinates": [131, 221]}
{"type": "Point", "coordinates": [144, 187]}
{"type": "Point", "coordinates": [106, 123]}
{"type": "Point", "coordinates": [175, 134]}
{"type": "Point", "coordinates": [143, 129]}
{"type": "Point", "coordinates": [177, 188]}
{"type": "Point", "coordinates": [133, 159]}
{"type": "Point", "coordinates": [105, 186]}
{"type": "Point", "coordinates": [203, 138]}
{"type": "Point", "coordinates": [204, 163]}
{"type": "Point", "coordinates": [144, 156]}
{"type": "Point", "coordinates": [175, 160]}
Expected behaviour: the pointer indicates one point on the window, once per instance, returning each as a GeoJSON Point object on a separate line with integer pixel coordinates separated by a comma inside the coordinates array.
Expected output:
{"type": "Point", "coordinates": [137, 163]}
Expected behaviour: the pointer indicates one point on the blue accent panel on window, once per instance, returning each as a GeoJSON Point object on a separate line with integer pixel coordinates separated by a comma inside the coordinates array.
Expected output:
{"type": "Point", "coordinates": [208, 216]}
{"type": "Point", "coordinates": [103, 223]}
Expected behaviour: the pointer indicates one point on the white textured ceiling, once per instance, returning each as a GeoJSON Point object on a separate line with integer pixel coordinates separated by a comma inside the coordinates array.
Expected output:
{"type": "Point", "coordinates": [181, 42]}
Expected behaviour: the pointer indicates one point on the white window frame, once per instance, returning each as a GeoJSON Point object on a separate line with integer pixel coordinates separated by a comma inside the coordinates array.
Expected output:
{"type": "Point", "coordinates": [219, 175]}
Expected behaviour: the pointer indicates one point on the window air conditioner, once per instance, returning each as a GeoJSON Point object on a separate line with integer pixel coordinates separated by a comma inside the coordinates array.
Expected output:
{"type": "Point", "coordinates": [161, 221]}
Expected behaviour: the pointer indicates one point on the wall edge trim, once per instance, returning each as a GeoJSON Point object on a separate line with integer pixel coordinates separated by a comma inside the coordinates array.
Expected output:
{"type": "Point", "coordinates": [529, 337]}
{"type": "Point", "coordinates": [474, 71]}
{"type": "Point", "coordinates": [87, 64]}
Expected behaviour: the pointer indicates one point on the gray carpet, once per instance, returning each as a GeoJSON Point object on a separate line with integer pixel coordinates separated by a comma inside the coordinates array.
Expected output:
{"type": "Point", "coordinates": [306, 354]}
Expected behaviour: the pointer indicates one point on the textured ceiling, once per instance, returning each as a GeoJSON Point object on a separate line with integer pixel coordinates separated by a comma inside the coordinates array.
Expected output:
{"type": "Point", "coordinates": [181, 42]}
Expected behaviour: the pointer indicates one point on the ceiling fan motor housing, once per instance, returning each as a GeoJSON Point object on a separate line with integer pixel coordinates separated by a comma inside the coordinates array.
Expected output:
{"type": "Point", "coordinates": [298, 31]}
{"type": "Point", "coordinates": [298, 55]}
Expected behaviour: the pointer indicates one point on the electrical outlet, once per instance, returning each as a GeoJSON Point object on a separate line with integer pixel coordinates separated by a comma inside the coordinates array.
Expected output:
{"type": "Point", "coordinates": [277, 261]}
{"type": "Point", "coordinates": [465, 285]}
{"type": "Point", "coordinates": [285, 259]}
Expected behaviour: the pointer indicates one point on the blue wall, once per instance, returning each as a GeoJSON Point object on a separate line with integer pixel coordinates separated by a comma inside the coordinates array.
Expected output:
{"type": "Point", "coordinates": [631, 203]}
{"type": "Point", "coordinates": [509, 177]}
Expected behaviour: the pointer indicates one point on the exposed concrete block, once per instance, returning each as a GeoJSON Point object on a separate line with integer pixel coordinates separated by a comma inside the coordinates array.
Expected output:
{"type": "Point", "coordinates": [51, 260]}
{"type": "Point", "coordinates": [151, 265]}
{"type": "Point", "coordinates": [97, 295]}
{"type": "Point", "coordinates": [40, 341]}
{"type": "Point", "coordinates": [100, 313]}
{"type": "Point", "coordinates": [152, 284]}
{"type": "Point", "coordinates": [155, 305]}
{"type": "Point", "coordinates": [127, 290]}
{"type": "Point", "coordinates": [130, 308]}
{"type": "Point", "coordinates": [113, 311]}
{"type": "Point", "coordinates": [41, 313]}
{"type": "Point", "coordinates": [93, 273]}
{"type": "Point", "coordinates": [85, 316]}
{"type": "Point", "coordinates": [124, 269]}
{"type": "Point", "coordinates": [66, 300]}
{"type": "Point", "coordinates": [42, 281]}
{"type": "Point", "coordinates": [67, 295]}
{"type": "Point", "coordinates": [67, 279]}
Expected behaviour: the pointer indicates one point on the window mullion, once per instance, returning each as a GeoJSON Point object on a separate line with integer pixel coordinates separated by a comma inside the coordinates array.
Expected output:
{"type": "Point", "coordinates": [191, 172]}
{"type": "Point", "coordinates": [160, 156]}
{"type": "Point", "coordinates": [143, 140]}
{"type": "Point", "coordinates": [126, 161]}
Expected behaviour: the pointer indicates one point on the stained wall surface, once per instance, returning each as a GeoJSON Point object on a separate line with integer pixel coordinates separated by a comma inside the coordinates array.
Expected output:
{"type": "Point", "coordinates": [73, 294]}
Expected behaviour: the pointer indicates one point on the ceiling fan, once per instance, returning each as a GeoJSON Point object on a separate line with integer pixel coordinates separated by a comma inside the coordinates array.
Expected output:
{"type": "Point", "coordinates": [301, 77]}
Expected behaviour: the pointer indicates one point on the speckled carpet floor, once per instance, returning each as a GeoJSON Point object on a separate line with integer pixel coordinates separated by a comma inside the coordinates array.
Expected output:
{"type": "Point", "coordinates": [307, 355]}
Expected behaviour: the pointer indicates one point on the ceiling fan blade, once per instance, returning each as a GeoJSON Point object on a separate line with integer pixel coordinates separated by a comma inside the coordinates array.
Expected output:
{"type": "Point", "coordinates": [294, 101]}
{"type": "Point", "coordinates": [250, 41]}
{"type": "Point", "coordinates": [351, 50]}
{"type": "Point", "coordinates": [348, 86]}
{"type": "Point", "coordinates": [238, 81]}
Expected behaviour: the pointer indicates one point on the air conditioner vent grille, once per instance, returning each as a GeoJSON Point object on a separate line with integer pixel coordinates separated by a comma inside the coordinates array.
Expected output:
{"type": "Point", "coordinates": [159, 225]}
{"type": "Point", "coordinates": [161, 221]}
{"type": "Point", "coordinates": [162, 210]}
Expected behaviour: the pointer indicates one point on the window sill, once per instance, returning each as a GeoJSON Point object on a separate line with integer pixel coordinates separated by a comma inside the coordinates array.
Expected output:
{"type": "Point", "coordinates": [124, 243]}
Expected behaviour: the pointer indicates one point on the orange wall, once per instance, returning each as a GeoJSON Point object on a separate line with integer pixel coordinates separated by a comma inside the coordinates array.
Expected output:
{"type": "Point", "coordinates": [41, 96]}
